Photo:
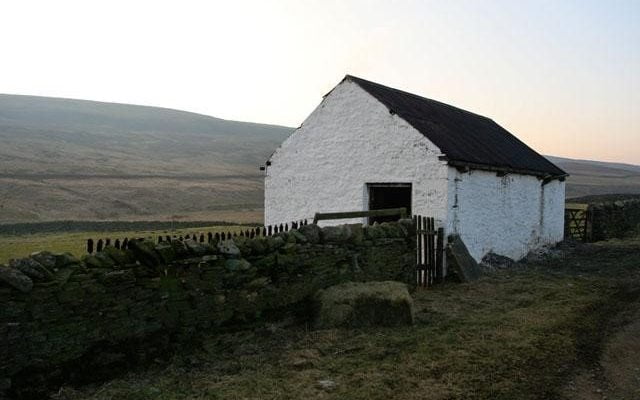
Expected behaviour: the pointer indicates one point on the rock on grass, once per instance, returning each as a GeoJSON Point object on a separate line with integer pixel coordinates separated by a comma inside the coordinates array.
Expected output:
{"type": "Point", "coordinates": [361, 304]}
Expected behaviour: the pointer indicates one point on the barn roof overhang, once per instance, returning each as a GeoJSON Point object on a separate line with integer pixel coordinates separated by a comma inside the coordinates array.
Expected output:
{"type": "Point", "coordinates": [464, 165]}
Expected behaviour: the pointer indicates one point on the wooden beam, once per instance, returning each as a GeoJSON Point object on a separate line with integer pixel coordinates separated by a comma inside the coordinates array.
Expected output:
{"type": "Point", "coordinates": [401, 212]}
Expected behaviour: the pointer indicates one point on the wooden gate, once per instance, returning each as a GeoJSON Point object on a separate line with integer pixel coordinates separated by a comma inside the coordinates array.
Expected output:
{"type": "Point", "coordinates": [429, 251]}
{"type": "Point", "coordinates": [578, 222]}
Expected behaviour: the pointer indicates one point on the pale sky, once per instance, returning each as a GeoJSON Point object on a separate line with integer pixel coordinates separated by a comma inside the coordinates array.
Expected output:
{"type": "Point", "coordinates": [561, 75]}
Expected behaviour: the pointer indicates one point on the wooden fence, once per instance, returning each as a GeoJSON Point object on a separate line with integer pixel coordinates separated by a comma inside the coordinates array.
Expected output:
{"type": "Point", "coordinates": [429, 251]}
{"type": "Point", "coordinates": [202, 237]}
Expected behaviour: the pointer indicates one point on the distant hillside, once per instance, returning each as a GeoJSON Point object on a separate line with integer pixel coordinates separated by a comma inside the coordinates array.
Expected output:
{"type": "Point", "coordinates": [42, 135]}
{"type": "Point", "coordinates": [599, 177]}
{"type": "Point", "coordinates": [64, 159]}
{"type": "Point", "coordinates": [76, 159]}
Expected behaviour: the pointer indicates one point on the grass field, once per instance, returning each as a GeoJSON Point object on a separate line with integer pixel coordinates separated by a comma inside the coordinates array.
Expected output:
{"type": "Point", "coordinates": [16, 246]}
{"type": "Point", "coordinates": [523, 333]}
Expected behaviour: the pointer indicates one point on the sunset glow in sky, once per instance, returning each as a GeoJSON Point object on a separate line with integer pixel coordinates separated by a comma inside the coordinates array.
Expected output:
{"type": "Point", "coordinates": [561, 75]}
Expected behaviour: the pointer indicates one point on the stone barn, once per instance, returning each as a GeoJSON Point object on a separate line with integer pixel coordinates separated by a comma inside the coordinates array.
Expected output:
{"type": "Point", "coordinates": [368, 146]}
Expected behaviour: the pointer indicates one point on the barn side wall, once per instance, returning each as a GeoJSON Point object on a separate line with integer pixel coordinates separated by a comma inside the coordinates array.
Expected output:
{"type": "Point", "coordinates": [508, 215]}
{"type": "Point", "coordinates": [349, 140]}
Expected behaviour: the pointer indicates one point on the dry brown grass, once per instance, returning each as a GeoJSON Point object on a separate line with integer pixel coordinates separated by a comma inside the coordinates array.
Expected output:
{"type": "Point", "coordinates": [517, 334]}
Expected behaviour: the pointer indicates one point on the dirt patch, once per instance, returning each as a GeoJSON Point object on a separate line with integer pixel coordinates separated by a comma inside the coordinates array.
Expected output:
{"type": "Point", "coordinates": [617, 374]}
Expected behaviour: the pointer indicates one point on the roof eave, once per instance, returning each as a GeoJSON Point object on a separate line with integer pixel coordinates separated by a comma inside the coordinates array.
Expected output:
{"type": "Point", "coordinates": [495, 168]}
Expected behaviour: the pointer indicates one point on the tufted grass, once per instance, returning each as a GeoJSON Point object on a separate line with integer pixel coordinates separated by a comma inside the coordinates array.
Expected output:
{"type": "Point", "coordinates": [516, 334]}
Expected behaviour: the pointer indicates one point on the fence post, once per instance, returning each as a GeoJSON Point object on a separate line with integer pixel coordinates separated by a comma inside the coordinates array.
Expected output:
{"type": "Point", "coordinates": [440, 255]}
{"type": "Point", "coordinates": [419, 265]}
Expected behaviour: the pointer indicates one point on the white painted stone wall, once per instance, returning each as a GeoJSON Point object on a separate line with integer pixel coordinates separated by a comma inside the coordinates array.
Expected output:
{"type": "Point", "coordinates": [508, 215]}
{"type": "Point", "coordinates": [350, 140]}
{"type": "Point", "coordinates": [553, 212]}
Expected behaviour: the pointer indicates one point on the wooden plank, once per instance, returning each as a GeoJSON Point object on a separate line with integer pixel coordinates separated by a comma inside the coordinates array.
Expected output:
{"type": "Point", "coordinates": [432, 252]}
{"type": "Point", "coordinates": [401, 212]}
{"type": "Point", "coordinates": [439, 255]}
{"type": "Point", "coordinates": [576, 206]}
{"type": "Point", "coordinates": [419, 255]}
{"type": "Point", "coordinates": [427, 251]}
{"type": "Point", "coordinates": [425, 247]}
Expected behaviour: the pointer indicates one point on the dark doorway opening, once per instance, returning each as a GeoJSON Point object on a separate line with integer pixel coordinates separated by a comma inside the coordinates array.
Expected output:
{"type": "Point", "coordinates": [388, 195]}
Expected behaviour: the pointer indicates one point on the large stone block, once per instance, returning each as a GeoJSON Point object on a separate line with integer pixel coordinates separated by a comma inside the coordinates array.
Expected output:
{"type": "Point", "coordinates": [311, 232]}
{"type": "Point", "coordinates": [359, 304]}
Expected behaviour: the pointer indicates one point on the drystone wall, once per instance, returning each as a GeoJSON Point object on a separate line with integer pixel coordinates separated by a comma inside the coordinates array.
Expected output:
{"type": "Point", "coordinates": [61, 317]}
{"type": "Point", "coordinates": [615, 219]}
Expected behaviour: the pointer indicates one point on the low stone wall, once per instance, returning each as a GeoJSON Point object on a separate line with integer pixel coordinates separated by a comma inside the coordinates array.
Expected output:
{"type": "Point", "coordinates": [59, 314]}
{"type": "Point", "coordinates": [615, 219]}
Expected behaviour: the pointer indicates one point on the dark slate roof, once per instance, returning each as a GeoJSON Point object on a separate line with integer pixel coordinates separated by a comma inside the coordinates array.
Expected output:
{"type": "Point", "coordinates": [466, 139]}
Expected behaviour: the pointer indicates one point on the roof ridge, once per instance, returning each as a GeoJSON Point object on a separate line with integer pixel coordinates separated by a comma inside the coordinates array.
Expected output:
{"type": "Point", "coordinates": [404, 92]}
{"type": "Point", "coordinates": [463, 136]}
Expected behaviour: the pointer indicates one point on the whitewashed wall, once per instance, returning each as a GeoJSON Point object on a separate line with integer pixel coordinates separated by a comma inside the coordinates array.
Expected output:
{"type": "Point", "coordinates": [507, 215]}
{"type": "Point", "coordinates": [349, 140]}
{"type": "Point", "coordinates": [553, 212]}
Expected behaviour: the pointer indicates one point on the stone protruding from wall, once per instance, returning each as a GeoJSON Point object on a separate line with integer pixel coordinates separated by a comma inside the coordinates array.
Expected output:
{"type": "Point", "coordinates": [58, 312]}
{"type": "Point", "coordinates": [460, 261]}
